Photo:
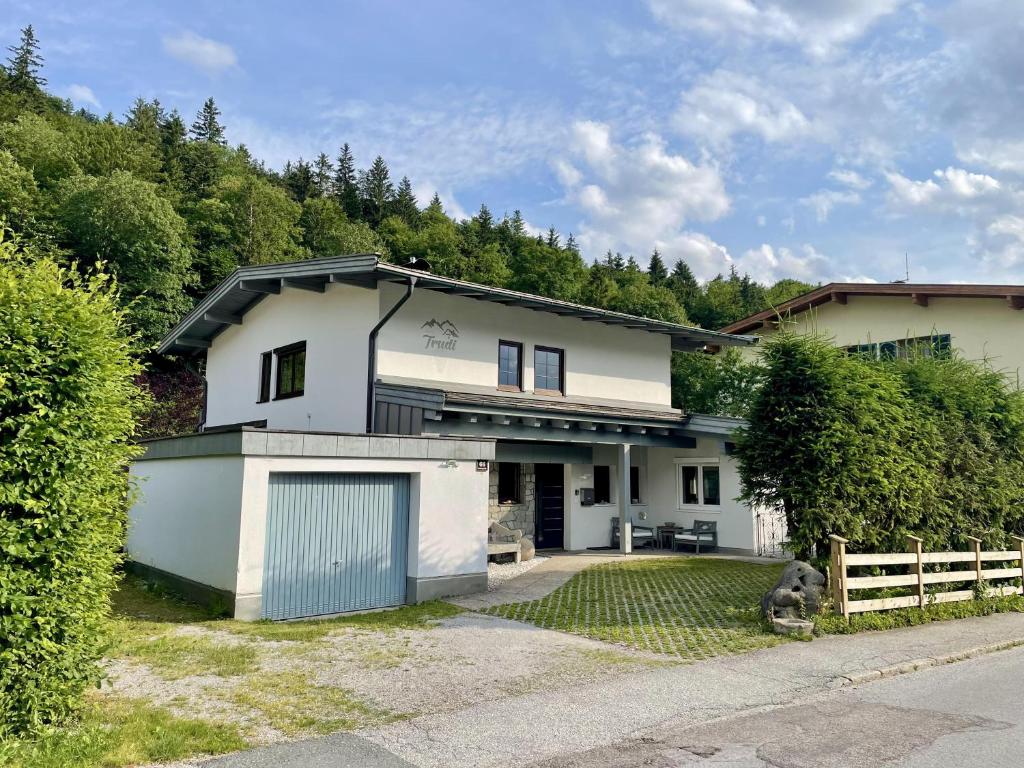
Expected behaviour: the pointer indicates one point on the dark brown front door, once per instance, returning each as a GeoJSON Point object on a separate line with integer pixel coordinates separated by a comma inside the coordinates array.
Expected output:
{"type": "Point", "coordinates": [550, 506]}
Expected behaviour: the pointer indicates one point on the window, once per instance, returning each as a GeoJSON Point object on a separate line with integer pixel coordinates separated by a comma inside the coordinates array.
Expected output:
{"type": "Point", "coordinates": [291, 370]}
{"type": "Point", "coordinates": [634, 485]}
{"type": "Point", "coordinates": [699, 484]}
{"type": "Point", "coordinates": [510, 364]}
{"type": "Point", "coordinates": [508, 483]}
{"type": "Point", "coordinates": [602, 485]}
{"type": "Point", "coordinates": [935, 345]}
{"type": "Point", "coordinates": [548, 370]}
{"type": "Point", "coordinates": [266, 366]}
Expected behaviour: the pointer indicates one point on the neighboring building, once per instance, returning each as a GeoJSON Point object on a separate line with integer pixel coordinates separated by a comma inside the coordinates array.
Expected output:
{"type": "Point", "coordinates": [981, 322]}
{"type": "Point", "coordinates": [481, 405]}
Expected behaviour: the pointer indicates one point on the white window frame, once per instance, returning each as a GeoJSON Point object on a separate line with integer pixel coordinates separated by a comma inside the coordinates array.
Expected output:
{"type": "Point", "coordinates": [700, 464]}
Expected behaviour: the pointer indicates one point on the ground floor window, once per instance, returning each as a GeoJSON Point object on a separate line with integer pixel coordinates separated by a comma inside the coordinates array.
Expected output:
{"type": "Point", "coordinates": [634, 485]}
{"type": "Point", "coordinates": [509, 483]}
{"type": "Point", "coordinates": [700, 484]}
{"type": "Point", "coordinates": [602, 485]}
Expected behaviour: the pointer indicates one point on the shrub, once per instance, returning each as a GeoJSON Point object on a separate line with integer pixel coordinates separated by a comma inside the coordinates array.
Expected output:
{"type": "Point", "coordinates": [874, 450]}
{"type": "Point", "coordinates": [67, 414]}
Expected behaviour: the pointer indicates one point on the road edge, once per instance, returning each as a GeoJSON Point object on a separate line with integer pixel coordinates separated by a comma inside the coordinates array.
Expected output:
{"type": "Point", "coordinates": [906, 667]}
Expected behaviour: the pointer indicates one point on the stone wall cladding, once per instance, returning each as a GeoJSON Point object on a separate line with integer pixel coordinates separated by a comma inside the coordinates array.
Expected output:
{"type": "Point", "coordinates": [517, 516]}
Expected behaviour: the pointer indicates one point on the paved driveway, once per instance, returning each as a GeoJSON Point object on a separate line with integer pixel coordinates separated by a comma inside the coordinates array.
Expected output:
{"type": "Point", "coordinates": [565, 723]}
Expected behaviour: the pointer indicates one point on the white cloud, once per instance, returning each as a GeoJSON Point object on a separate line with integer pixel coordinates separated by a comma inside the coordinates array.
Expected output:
{"type": "Point", "coordinates": [952, 188]}
{"type": "Point", "coordinates": [211, 56]}
{"type": "Point", "coordinates": [849, 178]}
{"type": "Point", "coordinates": [824, 200]}
{"type": "Point", "coordinates": [820, 28]}
{"type": "Point", "coordinates": [769, 264]}
{"type": "Point", "coordinates": [636, 194]}
{"type": "Point", "coordinates": [726, 103]}
{"type": "Point", "coordinates": [452, 137]}
{"type": "Point", "coordinates": [82, 94]}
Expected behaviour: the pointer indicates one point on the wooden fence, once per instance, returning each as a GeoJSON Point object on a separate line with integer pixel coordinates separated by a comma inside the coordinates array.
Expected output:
{"type": "Point", "coordinates": [842, 583]}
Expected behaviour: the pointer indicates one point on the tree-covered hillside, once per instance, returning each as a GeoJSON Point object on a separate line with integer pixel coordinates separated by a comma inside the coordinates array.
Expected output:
{"type": "Point", "coordinates": [172, 209]}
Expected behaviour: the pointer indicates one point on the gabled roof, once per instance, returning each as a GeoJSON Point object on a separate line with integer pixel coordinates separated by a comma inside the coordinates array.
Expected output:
{"type": "Point", "coordinates": [245, 287]}
{"type": "Point", "coordinates": [919, 293]}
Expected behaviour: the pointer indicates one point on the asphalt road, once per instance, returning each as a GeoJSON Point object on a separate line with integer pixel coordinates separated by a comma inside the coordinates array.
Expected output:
{"type": "Point", "coordinates": [952, 716]}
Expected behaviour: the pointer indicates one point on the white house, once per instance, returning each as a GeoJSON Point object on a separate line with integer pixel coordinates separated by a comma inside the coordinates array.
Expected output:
{"type": "Point", "coordinates": [365, 422]}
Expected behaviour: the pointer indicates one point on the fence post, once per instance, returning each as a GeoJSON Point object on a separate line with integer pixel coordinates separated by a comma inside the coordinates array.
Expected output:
{"type": "Point", "coordinates": [915, 547]}
{"type": "Point", "coordinates": [976, 543]}
{"type": "Point", "coordinates": [840, 595]}
{"type": "Point", "coordinates": [1020, 545]}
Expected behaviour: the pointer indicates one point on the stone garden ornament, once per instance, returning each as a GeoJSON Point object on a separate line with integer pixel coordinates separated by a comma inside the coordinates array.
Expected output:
{"type": "Point", "coordinates": [794, 599]}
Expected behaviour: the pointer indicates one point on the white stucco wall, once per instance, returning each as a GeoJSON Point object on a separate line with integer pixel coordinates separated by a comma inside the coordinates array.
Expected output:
{"type": "Point", "coordinates": [186, 517]}
{"type": "Point", "coordinates": [659, 478]}
{"type": "Point", "coordinates": [335, 326]}
{"type": "Point", "coordinates": [448, 513]}
{"type": "Point", "coordinates": [590, 526]}
{"type": "Point", "coordinates": [981, 329]}
{"type": "Point", "coordinates": [601, 361]}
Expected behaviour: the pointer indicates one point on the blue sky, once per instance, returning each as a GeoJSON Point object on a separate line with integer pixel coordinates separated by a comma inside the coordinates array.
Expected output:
{"type": "Point", "coordinates": [794, 138]}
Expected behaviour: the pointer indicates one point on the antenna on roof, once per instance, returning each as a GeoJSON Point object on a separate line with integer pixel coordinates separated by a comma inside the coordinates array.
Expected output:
{"type": "Point", "coordinates": [906, 268]}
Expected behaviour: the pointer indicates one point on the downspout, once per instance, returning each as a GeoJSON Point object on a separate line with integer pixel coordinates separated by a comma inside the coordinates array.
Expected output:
{"type": "Point", "coordinates": [371, 364]}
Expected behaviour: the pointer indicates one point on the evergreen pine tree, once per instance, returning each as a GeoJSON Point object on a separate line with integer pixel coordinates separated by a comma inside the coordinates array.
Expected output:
{"type": "Point", "coordinates": [345, 187]}
{"type": "Point", "coordinates": [298, 178]}
{"type": "Point", "coordinates": [553, 238]}
{"type": "Point", "coordinates": [323, 172]}
{"type": "Point", "coordinates": [24, 64]}
{"type": "Point", "coordinates": [484, 219]}
{"type": "Point", "coordinates": [145, 118]}
{"type": "Point", "coordinates": [571, 244]}
{"type": "Point", "coordinates": [206, 126]}
{"type": "Point", "coordinates": [686, 288]}
{"type": "Point", "coordinates": [435, 206]}
{"type": "Point", "coordinates": [656, 269]}
{"type": "Point", "coordinates": [405, 206]}
{"type": "Point", "coordinates": [518, 223]}
{"type": "Point", "coordinates": [377, 191]}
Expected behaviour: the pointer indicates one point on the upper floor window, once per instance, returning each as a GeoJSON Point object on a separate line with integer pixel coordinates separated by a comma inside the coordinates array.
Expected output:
{"type": "Point", "coordinates": [266, 369]}
{"type": "Point", "coordinates": [291, 370]}
{"type": "Point", "coordinates": [925, 346]}
{"type": "Point", "coordinates": [510, 364]}
{"type": "Point", "coordinates": [549, 370]}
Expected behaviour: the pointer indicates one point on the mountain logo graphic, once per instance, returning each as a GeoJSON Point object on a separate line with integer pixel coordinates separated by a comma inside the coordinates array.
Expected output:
{"type": "Point", "coordinates": [447, 327]}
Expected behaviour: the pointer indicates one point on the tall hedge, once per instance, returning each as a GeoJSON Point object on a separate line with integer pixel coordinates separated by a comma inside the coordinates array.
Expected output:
{"type": "Point", "coordinates": [873, 450]}
{"type": "Point", "coordinates": [67, 414]}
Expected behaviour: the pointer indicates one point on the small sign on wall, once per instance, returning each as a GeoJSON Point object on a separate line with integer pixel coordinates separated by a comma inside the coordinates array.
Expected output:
{"type": "Point", "coordinates": [481, 465]}
{"type": "Point", "coordinates": [440, 335]}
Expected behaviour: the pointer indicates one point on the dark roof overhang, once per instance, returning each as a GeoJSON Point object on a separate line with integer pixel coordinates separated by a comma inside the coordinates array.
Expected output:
{"type": "Point", "coordinates": [227, 304]}
{"type": "Point", "coordinates": [919, 293]}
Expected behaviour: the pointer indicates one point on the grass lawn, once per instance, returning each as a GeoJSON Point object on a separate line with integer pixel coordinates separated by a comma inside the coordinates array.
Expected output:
{"type": "Point", "coordinates": [251, 681]}
{"type": "Point", "coordinates": [690, 608]}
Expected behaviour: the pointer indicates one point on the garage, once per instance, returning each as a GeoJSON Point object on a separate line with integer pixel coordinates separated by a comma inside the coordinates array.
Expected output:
{"type": "Point", "coordinates": [336, 542]}
{"type": "Point", "coordinates": [267, 524]}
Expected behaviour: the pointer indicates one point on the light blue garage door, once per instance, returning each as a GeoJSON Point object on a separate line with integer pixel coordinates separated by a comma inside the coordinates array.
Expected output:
{"type": "Point", "coordinates": [335, 542]}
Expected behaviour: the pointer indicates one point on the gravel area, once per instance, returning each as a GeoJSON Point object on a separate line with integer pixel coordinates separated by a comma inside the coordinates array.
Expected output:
{"type": "Point", "coordinates": [499, 573]}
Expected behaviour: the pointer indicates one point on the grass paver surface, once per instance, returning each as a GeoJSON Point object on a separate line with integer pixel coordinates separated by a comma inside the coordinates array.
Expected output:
{"type": "Point", "coordinates": [689, 608]}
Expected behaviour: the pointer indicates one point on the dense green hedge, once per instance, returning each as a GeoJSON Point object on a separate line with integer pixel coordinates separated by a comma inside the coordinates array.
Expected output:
{"type": "Point", "coordinates": [873, 450]}
{"type": "Point", "coordinates": [67, 413]}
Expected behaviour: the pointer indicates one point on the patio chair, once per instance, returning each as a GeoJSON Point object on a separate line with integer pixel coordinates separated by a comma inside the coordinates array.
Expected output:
{"type": "Point", "coordinates": [643, 536]}
{"type": "Point", "coordinates": [703, 534]}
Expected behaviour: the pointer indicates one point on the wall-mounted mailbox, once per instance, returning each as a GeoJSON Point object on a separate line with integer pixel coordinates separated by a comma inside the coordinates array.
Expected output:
{"type": "Point", "coordinates": [586, 497]}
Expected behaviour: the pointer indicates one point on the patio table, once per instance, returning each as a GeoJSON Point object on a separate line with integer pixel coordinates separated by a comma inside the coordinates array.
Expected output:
{"type": "Point", "coordinates": [665, 534]}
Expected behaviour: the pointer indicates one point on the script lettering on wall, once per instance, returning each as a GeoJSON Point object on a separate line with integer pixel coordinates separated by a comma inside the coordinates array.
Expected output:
{"type": "Point", "coordinates": [440, 335]}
